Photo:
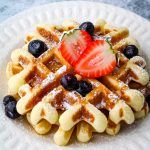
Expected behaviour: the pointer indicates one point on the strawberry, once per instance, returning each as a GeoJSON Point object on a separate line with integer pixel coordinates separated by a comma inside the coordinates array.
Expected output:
{"type": "Point", "coordinates": [73, 44]}
{"type": "Point", "coordinates": [97, 60]}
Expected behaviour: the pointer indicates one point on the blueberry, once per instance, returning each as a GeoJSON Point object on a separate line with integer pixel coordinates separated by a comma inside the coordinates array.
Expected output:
{"type": "Point", "coordinates": [84, 88]}
{"type": "Point", "coordinates": [87, 26]}
{"type": "Point", "coordinates": [148, 100]}
{"type": "Point", "coordinates": [130, 51]}
{"type": "Point", "coordinates": [37, 47]}
{"type": "Point", "coordinates": [10, 110]}
{"type": "Point", "coordinates": [69, 82]}
{"type": "Point", "coordinates": [8, 99]}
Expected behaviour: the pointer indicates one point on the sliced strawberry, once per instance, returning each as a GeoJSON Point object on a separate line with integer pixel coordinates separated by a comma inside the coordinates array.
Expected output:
{"type": "Point", "coordinates": [97, 60]}
{"type": "Point", "coordinates": [73, 44]}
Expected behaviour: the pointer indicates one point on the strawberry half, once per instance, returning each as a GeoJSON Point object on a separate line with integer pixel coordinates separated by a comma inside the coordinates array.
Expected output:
{"type": "Point", "coordinates": [97, 60]}
{"type": "Point", "coordinates": [73, 44]}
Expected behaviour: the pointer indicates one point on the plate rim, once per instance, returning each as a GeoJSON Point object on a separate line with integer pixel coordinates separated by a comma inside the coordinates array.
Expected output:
{"type": "Point", "coordinates": [72, 1]}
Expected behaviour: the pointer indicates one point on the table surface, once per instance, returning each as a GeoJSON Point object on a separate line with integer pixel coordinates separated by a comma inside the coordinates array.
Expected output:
{"type": "Point", "coordinates": [9, 8]}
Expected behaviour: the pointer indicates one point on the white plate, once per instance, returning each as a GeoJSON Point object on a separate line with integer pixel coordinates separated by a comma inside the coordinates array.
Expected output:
{"type": "Point", "coordinates": [16, 135]}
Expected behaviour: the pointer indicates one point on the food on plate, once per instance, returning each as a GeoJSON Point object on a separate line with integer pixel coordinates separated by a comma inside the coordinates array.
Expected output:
{"type": "Point", "coordinates": [79, 77]}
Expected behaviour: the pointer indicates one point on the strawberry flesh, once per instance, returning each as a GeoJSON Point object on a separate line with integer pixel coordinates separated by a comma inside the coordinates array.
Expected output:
{"type": "Point", "coordinates": [97, 60]}
{"type": "Point", "coordinates": [73, 44]}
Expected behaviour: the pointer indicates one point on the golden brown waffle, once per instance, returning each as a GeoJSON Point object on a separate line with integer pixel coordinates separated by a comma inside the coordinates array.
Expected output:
{"type": "Point", "coordinates": [37, 82]}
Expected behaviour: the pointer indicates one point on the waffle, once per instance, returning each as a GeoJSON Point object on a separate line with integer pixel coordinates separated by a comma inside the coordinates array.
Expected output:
{"type": "Point", "coordinates": [115, 98]}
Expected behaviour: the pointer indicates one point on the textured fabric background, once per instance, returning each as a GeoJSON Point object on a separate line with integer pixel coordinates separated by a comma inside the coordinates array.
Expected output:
{"type": "Point", "coordinates": [11, 7]}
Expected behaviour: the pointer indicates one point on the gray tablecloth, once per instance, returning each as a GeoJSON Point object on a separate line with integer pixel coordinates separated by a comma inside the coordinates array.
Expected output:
{"type": "Point", "coordinates": [11, 7]}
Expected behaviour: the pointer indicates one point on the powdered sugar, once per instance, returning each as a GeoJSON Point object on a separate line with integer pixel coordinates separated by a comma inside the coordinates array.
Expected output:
{"type": "Point", "coordinates": [121, 84]}
{"type": "Point", "coordinates": [61, 70]}
{"type": "Point", "coordinates": [66, 105]}
{"type": "Point", "coordinates": [50, 78]}
{"type": "Point", "coordinates": [73, 95]}
{"type": "Point", "coordinates": [52, 95]}
{"type": "Point", "coordinates": [113, 96]}
{"type": "Point", "coordinates": [55, 92]}
{"type": "Point", "coordinates": [102, 104]}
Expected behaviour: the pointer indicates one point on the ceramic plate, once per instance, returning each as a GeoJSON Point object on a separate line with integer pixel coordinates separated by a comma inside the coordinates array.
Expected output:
{"type": "Point", "coordinates": [18, 135]}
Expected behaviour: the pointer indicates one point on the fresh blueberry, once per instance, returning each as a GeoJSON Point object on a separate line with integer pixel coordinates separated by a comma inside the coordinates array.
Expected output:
{"type": "Point", "coordinates": [69, 82]}
{"type": "Point", "coordinates": [130, 51]}
{"type": "Point", "coordinates": [10, 110]}
{"type": "Point", "coordinates": [84, 88]}
{"type": "Point", "coordinates": [37, 47]}
{"type": "Point", "coordinates": [8, 99]}
{"type": "Point", "coordinates": [148, 100]}
{"type": "Point", "coordinates": [87, 26]}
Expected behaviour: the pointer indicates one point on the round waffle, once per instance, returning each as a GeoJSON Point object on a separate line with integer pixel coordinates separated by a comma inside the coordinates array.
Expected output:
{"type": "Point", "coordinates": [36, 81]}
